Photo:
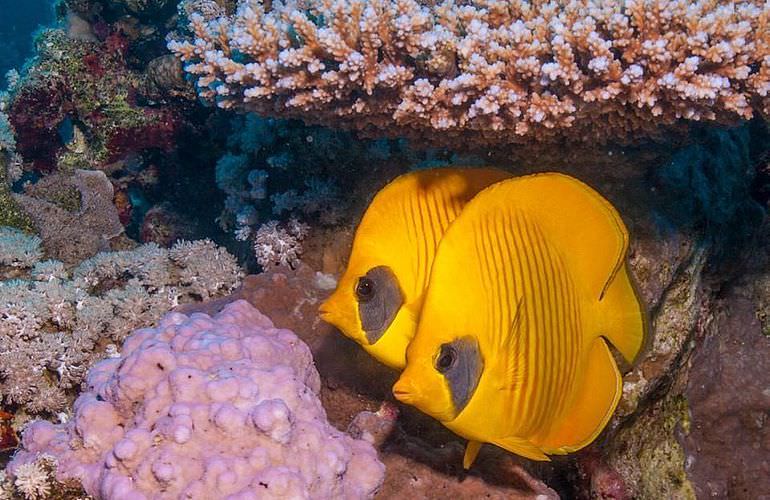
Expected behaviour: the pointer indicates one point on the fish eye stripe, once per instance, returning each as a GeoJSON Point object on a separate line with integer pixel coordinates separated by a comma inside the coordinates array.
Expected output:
{"type": "Point", "coordinates": [382, 299]}
{"type": "Point", "coordinates": [463, 371]}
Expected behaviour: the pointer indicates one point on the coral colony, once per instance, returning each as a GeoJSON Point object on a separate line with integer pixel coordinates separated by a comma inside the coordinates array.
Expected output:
{"type": "Point", "coordinates": [184, 183]}
{"type": "Point", "coordinates": [494, 71]}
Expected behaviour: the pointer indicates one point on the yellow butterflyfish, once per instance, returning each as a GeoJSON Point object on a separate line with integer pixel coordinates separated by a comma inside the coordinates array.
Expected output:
{"type": "Point", "coordinates": [528, 286]}
{"type": "Point", "coordinates": [378, 298]}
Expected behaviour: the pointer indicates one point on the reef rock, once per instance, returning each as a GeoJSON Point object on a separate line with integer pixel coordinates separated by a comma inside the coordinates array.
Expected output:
{"type": "Point", "coordinates": [204, 407]}
{"type": "Point", "coordinates": [728, 390]}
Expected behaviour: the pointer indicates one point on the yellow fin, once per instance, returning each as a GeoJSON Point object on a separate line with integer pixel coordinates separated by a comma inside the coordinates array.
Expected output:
{"type": "Point", "coordinates": [623, 320]}
{"type": "Point", "coordinates": [576, 219]}
{"type": "Point", "coordinates": [598, 393]}
{"type": "Point", "coordinates": [522, 447]}
{"type": "Point", "coordinates": [471, 452]}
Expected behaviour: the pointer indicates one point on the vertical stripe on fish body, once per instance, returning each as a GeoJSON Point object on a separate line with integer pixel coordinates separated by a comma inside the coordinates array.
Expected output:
{"type": "Point", "coordinates": [528, 285]}
{"type": "Point", "coordinates": [393, 251]}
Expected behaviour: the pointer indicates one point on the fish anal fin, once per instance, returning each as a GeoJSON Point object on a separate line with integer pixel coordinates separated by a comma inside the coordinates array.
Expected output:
{"type": "Point", "coordinates": [597, 396]}
{"type": "Point", "coordinates": [522, 447]}
{"type": "Point", "coordinates": [471, 452]}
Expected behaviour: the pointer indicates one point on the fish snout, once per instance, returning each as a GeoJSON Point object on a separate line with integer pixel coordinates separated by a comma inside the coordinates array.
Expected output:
{"type": "Point", "coordinates": [326, 310]}
{"type": "Point", "coordinates": [404, 390]}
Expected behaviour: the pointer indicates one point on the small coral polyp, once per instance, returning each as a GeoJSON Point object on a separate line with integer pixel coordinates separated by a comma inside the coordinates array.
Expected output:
{"type": "Point", "coordinates": [202, 407]}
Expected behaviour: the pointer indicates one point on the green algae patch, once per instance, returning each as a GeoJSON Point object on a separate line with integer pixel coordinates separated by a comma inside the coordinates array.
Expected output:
{"type": "Point", "coordinates": [10, 213]}
{"type": "Point", "coordinates": [648, 453]}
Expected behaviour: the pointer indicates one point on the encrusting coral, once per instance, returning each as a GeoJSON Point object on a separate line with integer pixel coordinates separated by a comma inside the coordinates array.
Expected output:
{"type": "Point", "coordinates": [489, 71]}
{"type": "Point", "coordinates": [202, 407]}
{"type": "Point", "coordinates": [55, 324]}
{"type": "Point", "coordinates": [73, 213]}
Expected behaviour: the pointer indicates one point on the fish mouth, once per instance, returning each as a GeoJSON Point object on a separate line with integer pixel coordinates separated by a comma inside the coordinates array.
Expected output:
{"type": "Point", "coordinates": [324, 311]}
{"type": "Point", "coordinates": [403, 391]}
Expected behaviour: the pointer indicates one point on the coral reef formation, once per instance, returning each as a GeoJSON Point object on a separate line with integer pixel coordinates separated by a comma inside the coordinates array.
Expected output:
{"type": "Point", "coordinates": [104, 93]}
{"type": "Point", "coordinates": [274, 245]}
{"type": "Point", "coordinates": [206, 407]}
{"type": "Point", "coordinates": [727, 388]}
{"type": "Point", "coordinates": [10, 170]}
{"type": "Point", "coordinates": [78, 106]}
{"type": "Point", "coordinates": [73, 214]}
{"type": "Point", "coordinates": [488, 71]}
{"type": "Point", "coordinates": [55, 323]}
{"type": "Point", "coordinates": [18, 249]}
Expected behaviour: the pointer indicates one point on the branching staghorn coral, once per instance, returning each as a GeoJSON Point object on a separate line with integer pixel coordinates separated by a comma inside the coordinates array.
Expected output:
{"type": "Point", "coordinates": [56, 324]}
{"type": "Point", "coordinates": [493, 71]}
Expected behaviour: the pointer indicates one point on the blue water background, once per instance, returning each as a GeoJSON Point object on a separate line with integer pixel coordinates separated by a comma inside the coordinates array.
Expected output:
{"type": "Point", "coordinates": [19, 20]}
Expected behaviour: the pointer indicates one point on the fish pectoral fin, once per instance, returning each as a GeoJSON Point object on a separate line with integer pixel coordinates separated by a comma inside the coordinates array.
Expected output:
{"type": "Point", "coordinates": [598, 393]}
{"type": "Point", "coordinates": [522, 447]}
{"type": "Point", "coordinates": [471, 452]}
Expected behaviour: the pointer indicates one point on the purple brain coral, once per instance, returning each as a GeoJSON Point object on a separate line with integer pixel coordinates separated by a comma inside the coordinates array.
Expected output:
{"type": "Point", "coordinates": [206, 407]}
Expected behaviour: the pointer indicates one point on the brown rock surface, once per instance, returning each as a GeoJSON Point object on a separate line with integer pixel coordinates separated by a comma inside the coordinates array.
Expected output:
{"type": "Point", "coordinates": [728, 448]}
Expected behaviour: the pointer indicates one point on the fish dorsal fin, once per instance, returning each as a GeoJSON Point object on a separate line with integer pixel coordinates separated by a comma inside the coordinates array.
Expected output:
{"type": "Point", "coordinates": [575, 218]}
{"type": "Point", "coordinates": [597, 392]}
{"type": "Point", "coordinates": [521, 447]}
{"type": "Point", "coordinates": [407, 218]}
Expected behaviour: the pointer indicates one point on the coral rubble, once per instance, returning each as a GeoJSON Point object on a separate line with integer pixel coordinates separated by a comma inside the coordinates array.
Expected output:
{"type": "Point", "coordinates": [233, 407]}
{"type": "Point", "coordinates": [488, 71]}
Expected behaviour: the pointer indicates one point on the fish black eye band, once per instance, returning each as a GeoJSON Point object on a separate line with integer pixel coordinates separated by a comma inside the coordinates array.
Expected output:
{"type": "Point", "coordinates": [461, 364]}
{"type": "Point", "coordinates": [379, 300]}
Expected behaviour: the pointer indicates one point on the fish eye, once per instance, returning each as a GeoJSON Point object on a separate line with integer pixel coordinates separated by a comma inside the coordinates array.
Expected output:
{"type": "Point", "coordinates": [364, 289]}
{"type": "Point", "coordinates": [446, 358]}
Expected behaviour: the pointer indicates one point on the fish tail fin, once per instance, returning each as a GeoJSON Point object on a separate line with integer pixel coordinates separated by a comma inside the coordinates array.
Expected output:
{"type": "Point", "coordinates": [624, 321]}
{"type": "Point", "coordinates": [598, 393]}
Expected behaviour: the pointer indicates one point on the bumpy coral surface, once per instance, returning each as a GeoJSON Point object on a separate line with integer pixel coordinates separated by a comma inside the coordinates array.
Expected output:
{"type": "Point", "coordinates": [202, 407]}
{"type": "Point", "coordinates": [492, 70]}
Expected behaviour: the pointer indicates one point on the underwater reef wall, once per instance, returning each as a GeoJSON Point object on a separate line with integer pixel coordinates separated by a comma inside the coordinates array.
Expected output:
{"type": "Point", "coordinates": [490, 72]}
{"type": "Point", "coordinates": [206, 408]}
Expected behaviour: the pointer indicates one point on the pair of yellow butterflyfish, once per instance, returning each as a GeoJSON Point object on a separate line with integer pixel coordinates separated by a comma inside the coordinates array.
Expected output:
{"type": "Point", "coordinates": [497, 296]}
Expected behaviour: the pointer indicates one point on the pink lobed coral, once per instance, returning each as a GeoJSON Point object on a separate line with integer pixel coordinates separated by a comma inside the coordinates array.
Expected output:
{"type": "Point", "coordinates": [202, 407]}
{"type": "Point", "coordinates": [490, 71]}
